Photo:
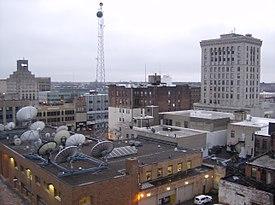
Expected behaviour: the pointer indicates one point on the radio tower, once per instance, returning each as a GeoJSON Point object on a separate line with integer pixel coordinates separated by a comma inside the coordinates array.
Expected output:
{"type": "Point", "coordinates": [100, 67]}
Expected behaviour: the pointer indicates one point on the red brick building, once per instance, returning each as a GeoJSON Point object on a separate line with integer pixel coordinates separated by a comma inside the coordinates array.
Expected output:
{"type": "Point", "coordinates": [156, 173]}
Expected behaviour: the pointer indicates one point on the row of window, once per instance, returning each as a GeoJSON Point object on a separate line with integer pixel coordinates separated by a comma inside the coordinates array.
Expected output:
{"type": "Point", "coordinates": [28, 173]}
{"type": "Point", "coordinates": [170, 170]}
{"type": "Point", "coordinates": [227, 69]}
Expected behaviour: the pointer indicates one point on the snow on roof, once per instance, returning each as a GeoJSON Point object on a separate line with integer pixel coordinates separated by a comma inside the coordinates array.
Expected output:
{"type": "Point", "coordinates": [202, 114]}
{"type": "Point", "coordinates": [255, 122]}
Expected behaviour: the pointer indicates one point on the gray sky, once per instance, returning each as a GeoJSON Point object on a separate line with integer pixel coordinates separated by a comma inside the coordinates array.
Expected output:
{"type": "Point", "coordinates": [59, 37]}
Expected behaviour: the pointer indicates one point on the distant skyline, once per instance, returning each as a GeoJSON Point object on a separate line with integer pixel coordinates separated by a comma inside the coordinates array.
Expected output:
{"type": "Point", "coordinates": [59, 38]}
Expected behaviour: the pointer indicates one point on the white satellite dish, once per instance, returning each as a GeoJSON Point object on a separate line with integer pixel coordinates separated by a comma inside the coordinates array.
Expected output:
{"type": "Point", "coordinates": [30, 135]}
{"type": "Point", "coordinates": [101, 149]}
{"type": "Point", "coordinates": [75, 140]}
{"type": "Point", "coordinates": [17, 141]}
{"type": "Point", "coordinates": [65, 154]}
{"type": "Point", "coordinates": [38, 125]}
{"type": "Point", "coordinates": [62, 127]}
{"type": "Point", "coordinates": [2, 127]}
{"type": "Point", "coordinates": [61, 136]}
{"type": "Point", "coordinates": [10, 126]}
{"type": "Point", "coordinates": [46, 148]}
{"type": "Point", "coordinates": [26, 113]}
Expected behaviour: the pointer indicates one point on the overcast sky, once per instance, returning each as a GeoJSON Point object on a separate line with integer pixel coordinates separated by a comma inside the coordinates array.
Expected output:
{"type": "Point", "coordinates": [59, 37]}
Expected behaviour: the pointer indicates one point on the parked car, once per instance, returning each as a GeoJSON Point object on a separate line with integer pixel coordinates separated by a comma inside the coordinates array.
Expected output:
{"type": "Point", "coordinates": [202, 199]}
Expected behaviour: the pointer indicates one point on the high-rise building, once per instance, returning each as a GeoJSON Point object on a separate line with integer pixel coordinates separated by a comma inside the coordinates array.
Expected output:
{"type": "Point", "coordinates": [23, 85]}
{"type": "Point", "coordinates": [230, 72]}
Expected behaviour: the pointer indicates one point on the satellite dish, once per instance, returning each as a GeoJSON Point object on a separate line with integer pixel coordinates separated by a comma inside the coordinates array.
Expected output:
{"type": "Point", "coordinates": [61, 137]}
{"type": "Point", "coordinates": [38, 125]}
{"type": "Point", "coordinates": [75, 140]}
{"type": "Point", "coordinates": [17, 141]}
{"type": "Point", "coordinates": [10, 126]}
{"type": "Point", "coordinates": [2, 127]}
{"type": "Point", "coordinates": [26, 113]}
{"type": "Point", "coordinates": [30, 135]}
{"type": "Point", "coordinates": [102, 149]}
{"type": "Point", "coordinates": [65, 154]}
{"type": "Point", "coordinates": [38, 143]}
{"type": "Point", "coordinates": [46, 148]}
{"type": "Point", "coordinates": [62, 127]}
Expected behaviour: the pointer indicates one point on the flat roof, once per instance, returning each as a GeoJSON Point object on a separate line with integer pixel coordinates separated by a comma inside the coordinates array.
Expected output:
{"type": "Point", "coordinates": [170, 131]}
{"type": "Point", "coordinates": [255, 122]}
{"type": "Point", "coordinates": [246, 181]}
{"type": "Point", "coordinates": [150, 151]}
{"type": "Point", "coordinates": [264, 161]}
{"type": "Point", "coordinates": [211, 115]}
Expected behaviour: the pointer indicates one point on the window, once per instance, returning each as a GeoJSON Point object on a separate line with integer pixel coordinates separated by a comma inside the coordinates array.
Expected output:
{"type": "Point", "coordinates": [37, 180]}
{"type": "Point", "coordinates": [86, 200]}
{"type": "Point", "coordinates": [148, 175]}
{"type": "Point", "coordinates": [160, 172]}
{"type": "Point", "coordinates": [264, 146]}
{"type": "Point", "coordinates": [253, 172]}
{"type": "Point", "coordinates": [232, 133]}
{"type": "Point", "coordinates": [189, 164]}
{"type": "Point", "coordinates": [170, 169]}
{"type": "Point", "coordinates": [29, 174]}
{"type": "Point", "coordinates": [179, 167]}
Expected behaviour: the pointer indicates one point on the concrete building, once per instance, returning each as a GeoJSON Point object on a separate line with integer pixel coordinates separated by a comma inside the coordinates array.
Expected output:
{"type": "Point", "coordinates": [129, 101]}
{"type": "Point", "coordinates": [56, 115]}
{"type": "Point", "coordinates": [8, 109]}
{"type": "Point", "coordinates": [214, 123]}
{"type": "Point", "coordinates": [256, 186]}
{"type": "Point", "coordinates": [230, 73]}
{"type": "Point", "coordinates": [241, 135]}
{"type": "Point", "coordinates": [183, 137]}
{"type": "Point", "coordinates": [97, 110]}
{"type": "Point", "coordinates": [155, 173]}
{"type": "Point", "coordinates": [23, 84]}
{"type": "Point", "coordinates": [55, 97]}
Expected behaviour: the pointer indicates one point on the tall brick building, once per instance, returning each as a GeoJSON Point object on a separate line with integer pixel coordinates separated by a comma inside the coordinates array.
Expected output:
{"type": "Point", "coordinates": [129, 101]}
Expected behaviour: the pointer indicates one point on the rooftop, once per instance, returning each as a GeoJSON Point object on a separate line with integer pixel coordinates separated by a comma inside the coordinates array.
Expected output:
{"type": "Point", "coordinates": [264, 161]}
{"type": "Point", "coordinates": [255, 122]}
{"type": "Point", "coordinates": [232, 37]}
{"type": "Point", "coordinates": [211, 115]}
{"type": "Point", "coordinates": [169, 131]}
{"type": "Point", "coordinates": [249, 182]}
{"type": "Point", "coordinates": [147, 152]}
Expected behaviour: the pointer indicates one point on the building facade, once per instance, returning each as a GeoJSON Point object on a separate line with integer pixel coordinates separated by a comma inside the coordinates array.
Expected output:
{"type": "Point", "coordinates": [256, 186]}
{"type": "Point", "coordinates": [169, 176]}
{"type": "Point", "coordinates": [56, 115]}
{"type": "Point", "coordinates": [127, 102]}
{"type": "Point", "coordinates": [230, 71]}
{"type": "Point", "coordinates": [97, 110]}
{"type": "Point", "coordinates": [22, 84]}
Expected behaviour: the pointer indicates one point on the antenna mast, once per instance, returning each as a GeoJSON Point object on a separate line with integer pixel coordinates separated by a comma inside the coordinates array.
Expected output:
{"type": "Point", "coordinates": [100, 67]}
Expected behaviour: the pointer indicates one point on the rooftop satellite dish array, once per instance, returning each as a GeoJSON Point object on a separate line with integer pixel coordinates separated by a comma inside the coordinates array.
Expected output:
{"type": "Point", "coordinates": [67, 148]}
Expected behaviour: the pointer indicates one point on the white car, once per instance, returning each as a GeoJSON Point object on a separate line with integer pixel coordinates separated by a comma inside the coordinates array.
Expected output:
{"type": "Point", "coordinates": [202, 199]}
